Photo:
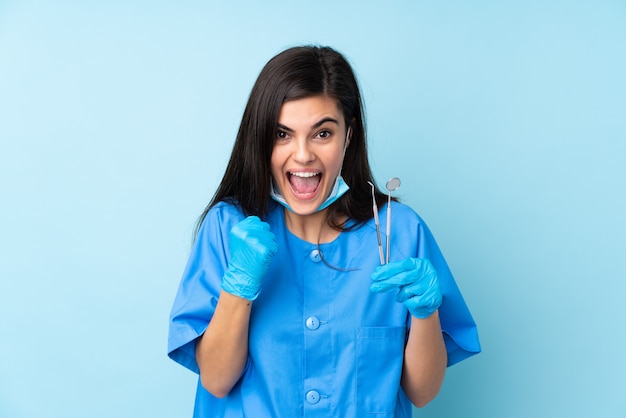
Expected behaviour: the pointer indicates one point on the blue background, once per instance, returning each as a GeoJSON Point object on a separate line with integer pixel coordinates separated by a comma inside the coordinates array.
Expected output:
{"type": "Point", "coordinates": [504, 120]}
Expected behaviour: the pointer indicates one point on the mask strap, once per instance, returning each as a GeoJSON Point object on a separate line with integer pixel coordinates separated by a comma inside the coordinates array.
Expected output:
{"type": "Point", "coordinates": [345, 147]}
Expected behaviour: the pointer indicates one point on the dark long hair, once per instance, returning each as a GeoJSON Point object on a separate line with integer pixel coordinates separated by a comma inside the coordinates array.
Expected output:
{"type": "Point", "coordinates": [297, 73]}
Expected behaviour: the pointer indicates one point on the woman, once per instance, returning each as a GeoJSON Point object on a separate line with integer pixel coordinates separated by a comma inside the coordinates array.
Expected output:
{"type": "Point", "coordinates": [284, 308]}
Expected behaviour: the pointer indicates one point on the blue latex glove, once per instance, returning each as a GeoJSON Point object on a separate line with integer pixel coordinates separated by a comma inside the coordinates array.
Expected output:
{"type": "Point", "coordinates": [417, 282]}
{"type": "Point", "coordinates": [252, 246]}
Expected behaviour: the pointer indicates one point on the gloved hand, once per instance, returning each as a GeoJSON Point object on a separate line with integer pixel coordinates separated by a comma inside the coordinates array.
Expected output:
{"type": "Point", "coordinates": [252, 246]}
{"type": "Point", "coordinates": [418, 283]}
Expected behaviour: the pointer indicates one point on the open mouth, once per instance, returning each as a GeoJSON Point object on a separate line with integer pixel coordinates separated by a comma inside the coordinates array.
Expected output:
{"type": "Point", "coordinates": [304, 183]}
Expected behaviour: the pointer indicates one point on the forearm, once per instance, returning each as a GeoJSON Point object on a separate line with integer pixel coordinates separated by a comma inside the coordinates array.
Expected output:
{"type": "Point", "coordinates": [425, 360]}
{"type": "Point", "coordinates": [222, 350]}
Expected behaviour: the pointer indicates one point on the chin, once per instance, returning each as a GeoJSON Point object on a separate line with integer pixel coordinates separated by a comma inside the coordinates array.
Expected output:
{"type": "Point", "coordinates": [304, 210]}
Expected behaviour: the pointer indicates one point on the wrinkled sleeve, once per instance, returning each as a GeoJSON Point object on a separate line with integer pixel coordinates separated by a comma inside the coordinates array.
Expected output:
{"type": "Point", "coordinates": [459, 329]}
{"type": "Point", "coordinates": [199, 287]}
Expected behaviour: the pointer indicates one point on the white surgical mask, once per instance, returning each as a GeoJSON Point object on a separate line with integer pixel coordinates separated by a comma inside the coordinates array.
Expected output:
{"type": "Point", "coordinates": [339, 189]}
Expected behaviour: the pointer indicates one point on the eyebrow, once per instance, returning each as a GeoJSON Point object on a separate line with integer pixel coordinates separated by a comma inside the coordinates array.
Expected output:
{"type": "Point", "coordinates": [315, 126]}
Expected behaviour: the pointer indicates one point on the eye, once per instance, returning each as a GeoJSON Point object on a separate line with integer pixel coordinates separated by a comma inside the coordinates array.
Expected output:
{"type": "Point", "coordinates": [281, 135]}
{"type": "Point", "coordinates": [324, 134]}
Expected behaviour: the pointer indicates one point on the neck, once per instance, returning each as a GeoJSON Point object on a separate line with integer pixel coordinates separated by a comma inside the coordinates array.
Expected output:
{"type": "Point", "coordinates": [312, 228]}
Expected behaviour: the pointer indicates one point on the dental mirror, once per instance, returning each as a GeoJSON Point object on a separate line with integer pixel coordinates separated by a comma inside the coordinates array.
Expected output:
{"type": "Point", "coordinates": [392, 184]}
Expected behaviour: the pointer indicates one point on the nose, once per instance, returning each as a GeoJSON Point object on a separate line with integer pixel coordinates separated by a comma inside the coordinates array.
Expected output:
{"type": "Point", "coordinates": [303, 153]}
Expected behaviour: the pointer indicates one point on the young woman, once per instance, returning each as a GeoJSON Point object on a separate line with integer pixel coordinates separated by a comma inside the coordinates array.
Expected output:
{"type": "Point", "coordinates": [284, 308]}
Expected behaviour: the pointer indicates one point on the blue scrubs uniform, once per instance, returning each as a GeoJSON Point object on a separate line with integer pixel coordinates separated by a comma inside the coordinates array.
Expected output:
{"type": "Point", "coordinates": [320, 343]}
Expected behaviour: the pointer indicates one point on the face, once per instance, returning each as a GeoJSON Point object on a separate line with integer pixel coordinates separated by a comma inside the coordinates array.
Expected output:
{"type": "Point", "coordinates": [308, 151]}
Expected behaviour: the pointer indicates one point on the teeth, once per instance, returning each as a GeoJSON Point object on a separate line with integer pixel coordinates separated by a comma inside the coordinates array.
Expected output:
{"type": "Point", "coordinates": [303, 174]}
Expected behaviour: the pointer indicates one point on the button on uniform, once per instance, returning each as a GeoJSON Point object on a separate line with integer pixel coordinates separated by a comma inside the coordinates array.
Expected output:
{"type": "Point", "coordinates": [315, 256]}
{"type": "Point", "coordinates": [312, 323]}
{"type": "Point", "coordinates": [312, 397]}
{"type": "Point", "coordinates": [314, 336]}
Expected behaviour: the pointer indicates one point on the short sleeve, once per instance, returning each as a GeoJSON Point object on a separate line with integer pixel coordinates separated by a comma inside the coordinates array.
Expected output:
{"type": "Point", "coordinates": [199, 287]}
{"type": "Point", "coordinates": [459, 329]}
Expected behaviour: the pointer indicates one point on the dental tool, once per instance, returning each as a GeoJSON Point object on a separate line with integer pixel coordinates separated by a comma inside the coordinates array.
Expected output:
{"type": "Point", "coordinates": [392, 184]}
{"type": "Point", "coordinates": [376, 221]}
